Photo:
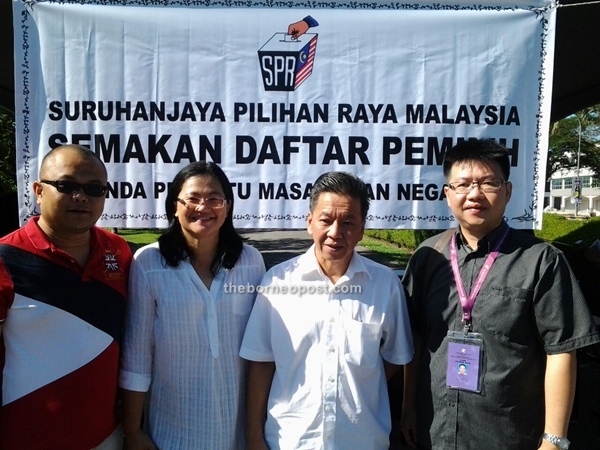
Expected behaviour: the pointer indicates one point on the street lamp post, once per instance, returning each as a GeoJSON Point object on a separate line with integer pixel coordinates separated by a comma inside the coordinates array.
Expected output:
{"type": "Point", "coordinates": [577, 171]}
{"type": "Point", "coordinates": [578, 200]}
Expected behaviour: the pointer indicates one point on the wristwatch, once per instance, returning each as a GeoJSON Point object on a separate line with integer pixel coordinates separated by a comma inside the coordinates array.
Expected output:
{"type": "Point", "coordinates": [561, 442]}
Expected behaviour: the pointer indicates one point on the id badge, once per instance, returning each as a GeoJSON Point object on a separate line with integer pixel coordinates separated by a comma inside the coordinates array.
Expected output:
{"type": "Point", "coordinates": [465, 361]}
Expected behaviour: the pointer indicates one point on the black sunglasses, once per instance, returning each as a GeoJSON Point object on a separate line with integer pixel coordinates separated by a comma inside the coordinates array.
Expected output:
{"type": "Point", "coordinates": [70, 187]}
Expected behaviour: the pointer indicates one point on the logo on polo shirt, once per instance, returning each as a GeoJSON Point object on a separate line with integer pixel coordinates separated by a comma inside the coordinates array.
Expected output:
{"type": "Point", "coordinates": [110, 261]}
{"type": "Point", "coordinates": [112, 268]}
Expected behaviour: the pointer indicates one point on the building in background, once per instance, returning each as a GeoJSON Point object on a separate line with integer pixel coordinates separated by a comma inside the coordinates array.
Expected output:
{"type": "Point", "coordinates": [562, 186]}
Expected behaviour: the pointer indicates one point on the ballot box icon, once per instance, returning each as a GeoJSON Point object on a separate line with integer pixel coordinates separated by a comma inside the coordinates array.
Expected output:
{"type": "Point", "coordinates": [285, 62]}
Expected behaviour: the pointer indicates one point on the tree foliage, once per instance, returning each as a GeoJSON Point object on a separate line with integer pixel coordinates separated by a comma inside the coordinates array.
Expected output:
{"type": "Point", "coordinates": [564, 142]}
{"type": "Point", "coordinates": [8, 176]}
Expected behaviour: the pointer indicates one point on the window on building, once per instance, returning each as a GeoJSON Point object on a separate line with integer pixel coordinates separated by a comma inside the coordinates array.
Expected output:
{"type": "Point", "coordinates": [595, 182]}
{"type": "Point", "coordinates": [586, 182]}
{"type": "Point", "coordinates": [557, 183]}
{"type": "Point", "coordinates": [568, 183]}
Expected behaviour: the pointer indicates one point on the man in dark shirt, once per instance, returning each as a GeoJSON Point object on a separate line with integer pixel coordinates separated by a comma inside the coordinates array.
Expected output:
{"type": "Point", "coordinates": [500, 301]}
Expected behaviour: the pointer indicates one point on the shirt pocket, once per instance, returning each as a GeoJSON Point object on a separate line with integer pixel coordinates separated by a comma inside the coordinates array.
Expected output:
{"type": "Point", "coordinates": [506, 312]}
{"type": "Point", "coordinates": [362, 343]}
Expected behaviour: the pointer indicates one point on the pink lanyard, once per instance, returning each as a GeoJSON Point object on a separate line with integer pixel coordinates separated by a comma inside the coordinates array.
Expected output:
{"type": "Point", "coordinates": [467, 302]}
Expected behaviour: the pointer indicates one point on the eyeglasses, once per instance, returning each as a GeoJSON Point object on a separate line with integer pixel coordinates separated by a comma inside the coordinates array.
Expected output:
{"type": "Point", "coordinates": [211, 202]}
{"type": "Point", "coordinates": [72, 188]}
{"type": "Point", "coordinates": [488, 186]}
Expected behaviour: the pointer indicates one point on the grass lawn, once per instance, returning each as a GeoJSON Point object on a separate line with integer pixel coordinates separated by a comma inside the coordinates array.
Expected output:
{"type": "Point", "coordinates": [398, 254]}
{"type": "Point", "coordinates": [139, 236]}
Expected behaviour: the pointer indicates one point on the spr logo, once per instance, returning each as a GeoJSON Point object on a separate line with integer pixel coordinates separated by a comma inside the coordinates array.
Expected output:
{"type": "Point", "coordinates": [287, 59]}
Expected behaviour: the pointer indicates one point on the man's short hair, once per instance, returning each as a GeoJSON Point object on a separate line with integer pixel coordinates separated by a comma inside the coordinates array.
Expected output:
{"type": "Point", "coordinates": [343, 184]}
{"type": "Point", "coordinates": [477, 151]}
{"type": "Point", "coordinates": [78, 148]}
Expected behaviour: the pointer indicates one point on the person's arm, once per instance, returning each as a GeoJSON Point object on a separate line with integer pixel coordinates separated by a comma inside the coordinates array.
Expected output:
{"type": "Point", "coordinates": [413, 286]}
{"type": "Point", "coordinates": [390, 369]}
{"type": "Point", "coordinates": [559, 392]}
{"type": "Point", "coordinates": [260, 378]}
{"type": "Point", "coordinates": [133, 407]}
{"type": "Point", "coordinates": [6, 296]}
{"type": "Point", "coordinates": [408, 419]}
{"type": "Point", "coordinates": [137, 353]}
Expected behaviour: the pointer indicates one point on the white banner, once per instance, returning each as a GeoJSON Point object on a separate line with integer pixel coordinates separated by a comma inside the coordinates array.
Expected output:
{"type": "Point", "coordinates": [379, 89]}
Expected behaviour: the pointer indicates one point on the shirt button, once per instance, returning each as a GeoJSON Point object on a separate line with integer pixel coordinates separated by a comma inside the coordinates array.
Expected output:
{"type": "Point", "coordinates": [331, 379]}
{"type": "Point", "coordinates": [451, 405]}
{"type": "Point", "coordinates": [332, 319]}
{"type": "Point", "coordinates": [332, 349]}
{"type": "Point", "coordinates": [328, 408]}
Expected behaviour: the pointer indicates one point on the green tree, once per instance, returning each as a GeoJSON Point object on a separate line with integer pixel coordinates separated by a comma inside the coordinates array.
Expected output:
{"type": "Point", "coordinates": [564, 142]}
{"type": "Point", "coordinates": [8, 170]}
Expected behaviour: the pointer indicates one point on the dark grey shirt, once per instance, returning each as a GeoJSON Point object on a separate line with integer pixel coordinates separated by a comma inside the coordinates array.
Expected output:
{"type": "Point", "coordinates": [529, 306]}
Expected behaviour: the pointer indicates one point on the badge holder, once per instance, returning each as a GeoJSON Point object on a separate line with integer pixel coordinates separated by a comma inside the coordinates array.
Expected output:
{"type": "Point", "coordinates": [465, 361]}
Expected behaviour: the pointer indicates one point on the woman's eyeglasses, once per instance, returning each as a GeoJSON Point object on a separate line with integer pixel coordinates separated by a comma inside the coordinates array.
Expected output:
{"type": "Point", "coordinates": [211, 202]}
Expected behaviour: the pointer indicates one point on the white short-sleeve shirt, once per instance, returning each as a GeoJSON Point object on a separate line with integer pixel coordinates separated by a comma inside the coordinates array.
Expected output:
{"type": "Point", "coordinates": [328, 342]}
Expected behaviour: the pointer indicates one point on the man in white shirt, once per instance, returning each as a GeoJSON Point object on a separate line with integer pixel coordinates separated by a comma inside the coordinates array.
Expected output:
{"type": "Point", "coordinates": [327, 329]}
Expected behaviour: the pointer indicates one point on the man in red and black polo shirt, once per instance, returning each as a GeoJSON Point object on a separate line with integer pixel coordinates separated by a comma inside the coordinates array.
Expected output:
{"type": "Point", "coordinates": [63, 284]}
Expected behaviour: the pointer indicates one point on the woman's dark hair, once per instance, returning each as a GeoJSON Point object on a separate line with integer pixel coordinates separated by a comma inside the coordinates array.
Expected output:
{"type": "Point", "coordinates": [172, 244]}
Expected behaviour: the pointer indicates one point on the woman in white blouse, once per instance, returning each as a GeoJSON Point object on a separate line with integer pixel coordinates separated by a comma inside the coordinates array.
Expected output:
{"type": "Point", "coordinates": [185, 322]}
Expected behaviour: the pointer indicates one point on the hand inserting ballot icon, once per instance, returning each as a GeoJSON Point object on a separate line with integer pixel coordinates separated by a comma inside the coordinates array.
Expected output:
{"type": "Point", "coordinates": [295, 30]}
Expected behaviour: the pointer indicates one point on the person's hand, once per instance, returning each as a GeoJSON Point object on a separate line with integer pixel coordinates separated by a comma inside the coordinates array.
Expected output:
{"type": "Point", "coordinates": [298, 29]}
{"type": "Point", "coordinates": [408, 425]}
{"type": "Point", "coordinates": [138, 440]}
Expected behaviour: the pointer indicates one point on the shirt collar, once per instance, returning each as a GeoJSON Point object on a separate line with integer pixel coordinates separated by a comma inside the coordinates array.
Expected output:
{"type": "Point", "coordinates": [40, 241]}
{"type": "Point", "coordinates": [308, 265]}
{"type": "Point", "coordinates": [37, 237]}
{"type": "Point", "coordinates": [487, 242]}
